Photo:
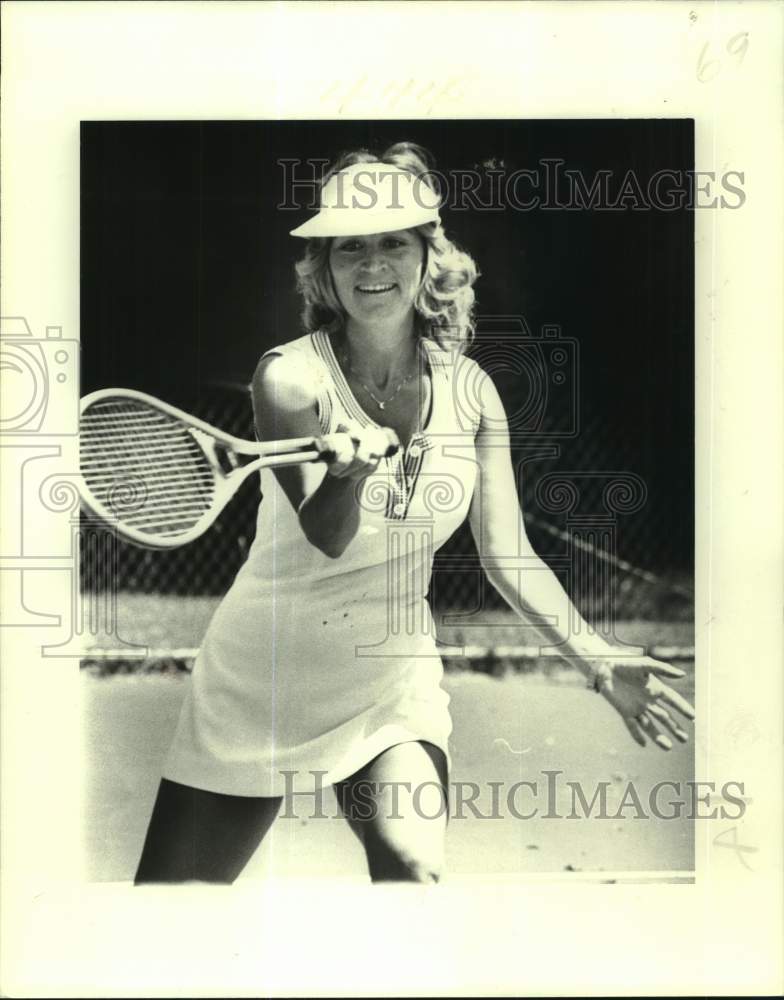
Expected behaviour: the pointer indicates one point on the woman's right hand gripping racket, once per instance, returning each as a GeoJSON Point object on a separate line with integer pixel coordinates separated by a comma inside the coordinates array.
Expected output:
{"type": "Point", "coordinates": [160, 476]}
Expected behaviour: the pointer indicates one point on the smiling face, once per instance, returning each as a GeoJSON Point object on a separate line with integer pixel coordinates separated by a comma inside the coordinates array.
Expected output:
{"type": "Point", "coordinates": [377, 277]}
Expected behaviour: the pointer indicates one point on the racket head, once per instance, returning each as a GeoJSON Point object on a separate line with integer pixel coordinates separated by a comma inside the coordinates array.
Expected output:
{"type": "Point", "coordinates": [145, 470]}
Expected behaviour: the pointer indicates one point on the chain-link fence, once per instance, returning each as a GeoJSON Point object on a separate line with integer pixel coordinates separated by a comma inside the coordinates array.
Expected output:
{"type": "Point", "coordinates": [604, 529]}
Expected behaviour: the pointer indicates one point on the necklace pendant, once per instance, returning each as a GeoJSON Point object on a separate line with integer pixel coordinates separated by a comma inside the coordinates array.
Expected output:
{"type": "Point", "coordinates": [382, 406]}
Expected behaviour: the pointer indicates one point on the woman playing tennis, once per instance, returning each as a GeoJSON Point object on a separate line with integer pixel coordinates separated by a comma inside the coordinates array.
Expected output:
{"type": "Point", "coordinates": [320, 666]}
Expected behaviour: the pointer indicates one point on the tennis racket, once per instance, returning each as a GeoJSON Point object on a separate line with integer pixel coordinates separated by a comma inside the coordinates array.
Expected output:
{"type": "Point", "coordinates": [160, 476]}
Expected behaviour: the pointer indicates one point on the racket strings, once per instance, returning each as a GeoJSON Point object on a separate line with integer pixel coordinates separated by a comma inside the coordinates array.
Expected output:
{"type": "Point", "coordinates": [144, 467]}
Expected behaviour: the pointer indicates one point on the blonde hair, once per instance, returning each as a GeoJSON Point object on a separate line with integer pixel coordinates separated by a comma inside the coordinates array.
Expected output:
{"type": "Point", "coordinates": [445, 301]}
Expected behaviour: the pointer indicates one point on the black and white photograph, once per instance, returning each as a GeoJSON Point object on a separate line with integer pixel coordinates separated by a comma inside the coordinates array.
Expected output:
{"type": "Point", "coordinates": [390, 554]}
{"type": "Point", "coordinates": [479, 336]}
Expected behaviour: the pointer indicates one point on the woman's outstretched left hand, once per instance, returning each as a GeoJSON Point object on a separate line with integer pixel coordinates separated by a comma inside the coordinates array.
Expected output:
{"type": "Point", "coordinates": [633, 686]}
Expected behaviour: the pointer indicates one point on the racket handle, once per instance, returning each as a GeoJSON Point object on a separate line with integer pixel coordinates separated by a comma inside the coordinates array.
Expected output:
{"type": "Point", "coordinates": [295, 458]}
{"type": "Point", "coordinates": [329, 455]}
{"type": "Point", "coordinates": [298, 457]}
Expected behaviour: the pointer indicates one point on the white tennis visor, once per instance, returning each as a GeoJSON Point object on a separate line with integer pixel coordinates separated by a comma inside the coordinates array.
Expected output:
{"type": "Point", "coordinates": [369, 198]}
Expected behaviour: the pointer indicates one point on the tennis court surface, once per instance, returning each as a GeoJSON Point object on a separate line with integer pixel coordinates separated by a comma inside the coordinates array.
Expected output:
{"type": "Point", "coordinates": [516, 728]}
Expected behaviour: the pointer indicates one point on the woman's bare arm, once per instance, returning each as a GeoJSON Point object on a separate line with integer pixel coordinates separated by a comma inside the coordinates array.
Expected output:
{"type": "Point", "coordinates": [323, 494]}
{"type": "Point", "coordinates": [632, 684]}
{"type": "Point", "coordinates": [522, 578]}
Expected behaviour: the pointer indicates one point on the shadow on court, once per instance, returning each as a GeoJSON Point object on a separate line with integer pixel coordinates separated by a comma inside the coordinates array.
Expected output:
{"type": "Point", "coordinates": [518, 729]}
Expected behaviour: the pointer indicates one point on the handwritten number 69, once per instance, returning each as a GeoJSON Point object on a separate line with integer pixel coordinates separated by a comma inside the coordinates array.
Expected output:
{"type": "Point", "coordinates": [709, 69]}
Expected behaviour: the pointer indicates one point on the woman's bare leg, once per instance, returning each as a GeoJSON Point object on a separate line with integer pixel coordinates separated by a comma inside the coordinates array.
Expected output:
{"type": "Point", "coordinates": [397, 805]}
{"type": "Point", "coordinates": [202, 836]}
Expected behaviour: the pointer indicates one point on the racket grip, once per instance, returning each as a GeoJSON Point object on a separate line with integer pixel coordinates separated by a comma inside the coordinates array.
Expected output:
{"type": "Point", "coordinates": [330, 456]}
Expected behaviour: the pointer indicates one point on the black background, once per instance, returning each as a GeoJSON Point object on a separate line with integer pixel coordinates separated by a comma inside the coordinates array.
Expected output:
{"type": "Point", "coordinates": [187, 269]}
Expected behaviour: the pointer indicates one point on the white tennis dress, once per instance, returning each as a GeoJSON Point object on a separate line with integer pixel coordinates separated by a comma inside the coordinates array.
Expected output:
{"type": "Point", "coordinates": [312, 664]}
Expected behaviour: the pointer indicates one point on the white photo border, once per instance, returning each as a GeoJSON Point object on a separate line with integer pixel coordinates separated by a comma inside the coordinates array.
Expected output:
{"type": "Point", "coordinates": [720, 64]}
